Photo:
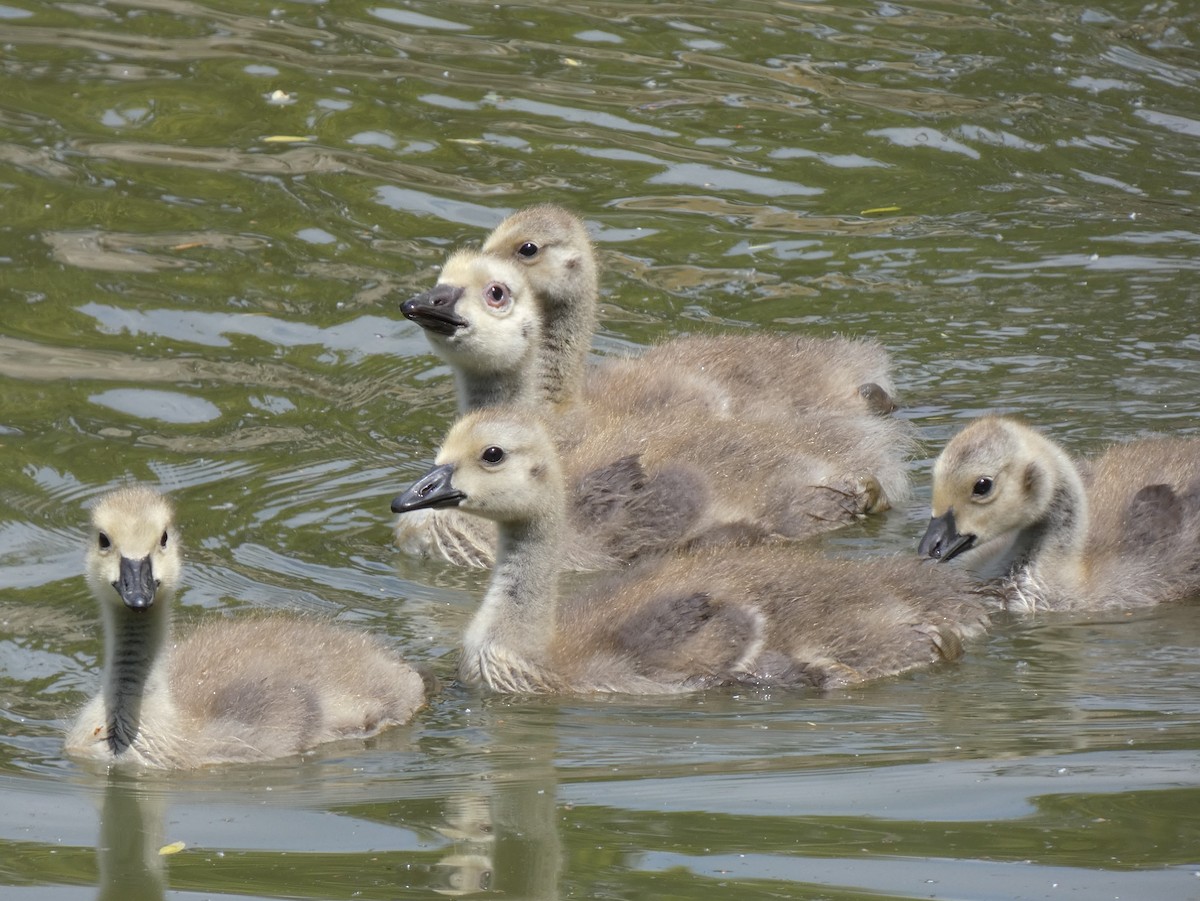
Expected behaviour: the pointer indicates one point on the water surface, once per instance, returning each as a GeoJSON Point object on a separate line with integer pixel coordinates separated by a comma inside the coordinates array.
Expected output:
{"type": "Point", "coordinates": [210, 214]}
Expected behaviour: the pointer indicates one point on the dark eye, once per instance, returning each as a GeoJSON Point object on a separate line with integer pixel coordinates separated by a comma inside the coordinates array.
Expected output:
{"type": "Point", "coordinates": [529, 250]}
{"type": "Point", "coordinates": [982, 488]}
{"type": "Point", "coordinates": [495, 295]}
{"type": "Point", "coordinates": [162, 542]}
{"type": "Point", "coordinates": [104, 543]}
{"type": "Point", "coordinates": [492, 454]}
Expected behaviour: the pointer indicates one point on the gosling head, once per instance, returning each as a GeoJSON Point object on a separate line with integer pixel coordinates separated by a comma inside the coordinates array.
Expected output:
{"type": "Point", "coordinates": [480, 315]}
{"type": "Point", "coordinates": [497, 463]}
{"type": "Point", "coordinates": [552, 246]}
{"type": "Point", "coordinates": [133, 554]}
{"type": "Point", "coordinates": [993, 480]}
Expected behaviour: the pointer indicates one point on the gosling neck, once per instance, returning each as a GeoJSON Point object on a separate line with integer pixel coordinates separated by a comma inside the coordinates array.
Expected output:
{"type": "Point", "coordinates": [571, 319]}
{"type": "Point", "coordinates": [479, 389]}
{"type": "Point", "coordinates": [135, 666]}
{"type": "Point", "coordinates": [1054, 544]}
{"type": "Point", "coordinates": [507, 645]}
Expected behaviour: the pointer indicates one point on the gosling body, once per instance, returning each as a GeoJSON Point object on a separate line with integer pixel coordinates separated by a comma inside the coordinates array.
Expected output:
{"type": "Point", "coordinates": [235, 690]}
{"type": "Point", "coordinates": [765, 615]}
{"type": "Point", "coordinates": [1119, 531]}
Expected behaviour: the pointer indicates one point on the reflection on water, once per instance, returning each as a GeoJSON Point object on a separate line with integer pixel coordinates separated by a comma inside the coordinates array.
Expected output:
{"type": "Point", "coordinates": [129, 850]}
{"type": "Point", "coordinates": [200, 288]}
{"type": "Point", "coordinates": [498, 834]}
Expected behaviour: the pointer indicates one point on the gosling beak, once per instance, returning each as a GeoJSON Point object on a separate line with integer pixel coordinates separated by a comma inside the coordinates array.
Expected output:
{"type": "Point", "coordinates": [434, 489]}
{"type": "Point", "coordinates": [434, 310]}
{"type": "Point", "coordinates": [942, 541]}
{"type": "Point", "coordinates": [136, 584]}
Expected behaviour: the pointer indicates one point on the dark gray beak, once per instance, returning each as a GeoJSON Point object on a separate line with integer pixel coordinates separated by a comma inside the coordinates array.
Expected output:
{"type": "Point", "coordinates": [136, 584]}
{"type": "Point", "coordinates": [434, 310]}
{"type": "Point", "coordinates": [434, 489]}
{"type": "Point", "coordinates": [942, 541]}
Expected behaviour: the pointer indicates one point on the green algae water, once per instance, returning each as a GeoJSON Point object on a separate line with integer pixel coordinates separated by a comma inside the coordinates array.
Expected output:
{"type": "Point", "coordinates": [210, 213]}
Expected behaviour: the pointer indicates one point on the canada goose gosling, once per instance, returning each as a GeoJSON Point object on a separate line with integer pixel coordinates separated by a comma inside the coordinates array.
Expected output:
{"type": "Point", "coordinates": [764, 615]}
{"type": "Point", "coordinates": [251, 688]}
{"type": "Point", "coordinates": [1012, 504]}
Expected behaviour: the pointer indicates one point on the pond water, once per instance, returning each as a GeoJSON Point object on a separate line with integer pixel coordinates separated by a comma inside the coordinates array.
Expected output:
{"type": "Point", "coordinates": [210, 214]}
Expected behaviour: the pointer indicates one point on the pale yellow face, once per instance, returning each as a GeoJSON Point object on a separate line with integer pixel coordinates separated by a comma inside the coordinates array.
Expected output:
{"type": "Point", "coordinates": [503, 321]}
{"type": "Point", "coordinates": [552, 246]}
{"type": "Point", "coordinates": [505, 463]}
{"type": "Point", "coordinates": [993, 476]}
{"type": "Point", "coordinates": [135, 523]}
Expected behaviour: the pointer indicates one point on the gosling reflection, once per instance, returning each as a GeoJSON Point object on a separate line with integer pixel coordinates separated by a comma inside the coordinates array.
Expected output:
{"type": "Point", "coordinates": [131, 834]}
{"type": "Point", "coordinates": [468, 868]}
{"type": "Point", "coordinates": [507, 842]}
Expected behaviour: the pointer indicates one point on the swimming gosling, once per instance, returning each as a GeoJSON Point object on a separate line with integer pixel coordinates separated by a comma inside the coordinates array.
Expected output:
{"type": "Point", "coordinates": [1122, 530]}
{"type": "Point", "coordinates": [235, 690]}
{"type": "Point", "coordinates": [767, 615]}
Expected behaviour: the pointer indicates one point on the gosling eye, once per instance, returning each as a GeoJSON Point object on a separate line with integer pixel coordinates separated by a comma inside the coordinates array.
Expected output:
{"type": "Point", "coordinates": [982, 487]}
{"type": "Point", "coordinates": [496, 296]}
{"type": "Point", "coordinates": [103, 542]}
{"type": "Point", "coordinates": [162, 542]}
{"type": "Point", "coordinates": [492, 455]}
{"type": "Point", "coordinates": [528, 250]}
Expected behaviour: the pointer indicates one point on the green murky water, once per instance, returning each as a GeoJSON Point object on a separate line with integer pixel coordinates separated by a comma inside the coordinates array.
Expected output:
{"type": "Point", "coordinates": [1004, 193]}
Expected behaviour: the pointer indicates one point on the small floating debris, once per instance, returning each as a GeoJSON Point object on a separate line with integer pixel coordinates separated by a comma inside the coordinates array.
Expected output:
{"type": "Point", "coordinates": [289, 139]}
{"type": "Point", "coordinates": [173, 848]}
{"type": "Point", "coordinates": [280, 98]}
{"type": "Point", "coordinates": [880, 209]}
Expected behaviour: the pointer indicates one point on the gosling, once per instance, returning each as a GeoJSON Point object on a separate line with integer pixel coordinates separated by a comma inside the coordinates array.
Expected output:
{"type": "Point", "coordinates": [551, 244]}
{"type": "Point", "coordinates": [766, 615]}
{"type": "Point", "coordinates": [1120, 531]}
{"type": "Point", "coordinates": [234, 690]}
